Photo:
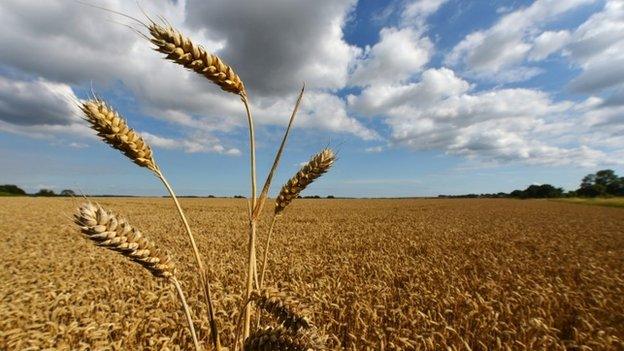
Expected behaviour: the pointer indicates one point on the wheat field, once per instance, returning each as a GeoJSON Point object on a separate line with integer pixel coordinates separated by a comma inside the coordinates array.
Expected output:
{"type": "Point", "coordinates": [371, 274]}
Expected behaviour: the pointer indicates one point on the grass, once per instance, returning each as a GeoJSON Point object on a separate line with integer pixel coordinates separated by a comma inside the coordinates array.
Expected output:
{"type": "Point", "coordinates": [609, 202]}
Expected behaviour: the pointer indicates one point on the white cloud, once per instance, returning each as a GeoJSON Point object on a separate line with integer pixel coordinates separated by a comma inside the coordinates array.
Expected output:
{"type": "Point", "coordinates": [27, 103]}
{"type": "Point", "coordinates": [274, 49]}
{"type": "Point", "coordinates": [547, 43]}
{"type": "Point", "coordinates": [39, 109]}
{"type": "Point", "coordinates": [488, 53]}
{"type": "Point", "coordinates": [597, 46]}
{"type": "Point", "coordinates": [192, 145]}
{"type": "Point", "coordinates": [435, 84]}
{"type": "Point", "coordinates": [374, 149]}
{"type": "Point", "coordinates": [399, 54]}
{"type": "Point", "coordinates": [439, 112]}
{"type": "Point", "coordinates": [275, 44]}
{"type": "Point", "coordinates": [416, 12]}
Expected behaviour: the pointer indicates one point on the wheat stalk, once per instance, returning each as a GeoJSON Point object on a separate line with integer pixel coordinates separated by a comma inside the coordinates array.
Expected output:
{"type": "Point", "coordinates": [114, 130]}
{"type": "Point", "coordinates": [185, 52]}
{"type": "Point", "coordinates": [278, 339]}
{"type": "Point", "coordinates": [113, 232]}
{"type": "Point", "coordinates": [317, 166]}
{"type": "Point", "coordinates": [286, 310]}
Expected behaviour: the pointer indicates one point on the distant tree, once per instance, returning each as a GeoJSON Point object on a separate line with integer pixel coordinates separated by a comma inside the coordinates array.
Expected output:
{"type": "Point", "coordinates": [516, 193]}
{"type": "Point", "coordinates": [239, 197]}
{"type": "Point", "coordinates": [211, 196]}
{"type": "Point", "coordinates": [542, 191]}
{"type": "Point", "coordinates": [11, 189]}
{"type": "Point", "coordinates": [68, 192]}
{"type": "Point", "coordinates": [330, 197]}
{"type": "Point", "coordinates": [603, 182]}
{"type": "Point", "coordinates": [45, 192]}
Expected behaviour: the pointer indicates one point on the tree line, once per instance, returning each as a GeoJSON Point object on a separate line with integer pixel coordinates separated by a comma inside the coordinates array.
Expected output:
{"type": "Point", "coordinates": [604, 183]}
{"type": "Point", "coordinates": [14, 190]}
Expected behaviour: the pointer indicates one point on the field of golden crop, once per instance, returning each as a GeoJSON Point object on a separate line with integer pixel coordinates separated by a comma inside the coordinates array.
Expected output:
{"type": "Point", "coordinates": [375, 274]}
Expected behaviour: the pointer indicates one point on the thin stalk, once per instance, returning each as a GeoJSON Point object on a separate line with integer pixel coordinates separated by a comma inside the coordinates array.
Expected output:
{"type": "Point", "coordinates": [198, 259]}
{"type": "Point", "coordinates": [187, 313]}
{"type": "Point", "coordinates": [266, 252]}
{"type": "Point", "coordinates": [251, 266]}
{"type": "Point", "coordinates": [250, 273]}
{"type": "Point", "coordinates": [267, 184]}
{"type": "Point", "coordinates": [200, 266]}
{"type": "Point", "coordinates": [252, 152]}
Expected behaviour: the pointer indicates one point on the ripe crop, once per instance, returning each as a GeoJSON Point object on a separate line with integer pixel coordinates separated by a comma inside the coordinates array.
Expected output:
{"type": "Point", "coordinates": [372, 274]}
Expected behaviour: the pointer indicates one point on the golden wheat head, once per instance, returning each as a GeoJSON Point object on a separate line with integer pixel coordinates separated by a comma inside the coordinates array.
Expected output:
{"type": "Point", "coordinates": [287, 311]}
{"type": "Point", "coordinates": [317, 165]}
{"type": "Point", "coordinates": [279, 339]}
{"type": "Point", "coordinates": [114, 130]}
{"type": "Point", "coordinates": [183, 51]}
{"type": "Point", "coordinates": [110, 231]}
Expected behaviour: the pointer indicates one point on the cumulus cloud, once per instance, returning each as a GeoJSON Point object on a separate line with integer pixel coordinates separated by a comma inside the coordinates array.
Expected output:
{"type": "Point", "coordinates": [275, 48]}
{"type": "Point", "coordinates": [27, 103]}
{"type": "Point", "coordinates": [396, 97]}
{"type": "Point", "coordinates": [191, 145]}
{"type": "Point", "coordinates": [547, 43]}
{"type": "Point", "coordinates": [39, 109]}
{"type": "Point", "coordinates": [277, 44]}
{"type": "Point", "coordinates": [399, 54]}
{"type": "Point", "coordinates": [441, 112]}
{"type": "Point", "coordinates": [517, 35]}
{"type": "Point", "coordinates": [597, 46]}
{"type": "Point", "coordinates": [416, 12]}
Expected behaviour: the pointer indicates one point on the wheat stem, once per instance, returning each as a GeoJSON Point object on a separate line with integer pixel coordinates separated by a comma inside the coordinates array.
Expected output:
{"type": "Point", "coordinates": [200, 266]}
{"type": "Point", "coordinates": [187, 312]}
{"type": "Point", "coordinates": [266, 252]}
{"type": "Point", "coordinates": [251, 264]}
{"type": "Point", "coordinates": [267, 184]}
{"type": "Point", "coordinates": [183, 217]}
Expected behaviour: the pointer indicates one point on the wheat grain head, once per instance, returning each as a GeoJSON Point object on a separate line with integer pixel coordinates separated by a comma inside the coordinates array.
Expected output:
{"type": "Point", "coordinates": [114, 130]}
{"type": "Point", "coordinates": [287, 311]}
{"type": "Point", "coordinates": [278, 339]}
{"type": "Point", "coordinates": [185, 52]}
{"type": "Point", "coordinates": [318, 164]}
{"type": "Point", "coordinates": [108, 230]}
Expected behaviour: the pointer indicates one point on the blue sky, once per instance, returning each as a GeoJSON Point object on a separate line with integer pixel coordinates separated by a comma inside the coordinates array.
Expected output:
{"type": "Point", "coordinates": [419, 97]}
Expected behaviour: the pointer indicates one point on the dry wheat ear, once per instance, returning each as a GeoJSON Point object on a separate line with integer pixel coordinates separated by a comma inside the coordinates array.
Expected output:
{"type": "Point", "coordinates": [108, 230]}
{"type": "Point", "coordinates": [182, 50]}
{"type": "Point", "coordinates": [286, 310]}
{"type": "Point", "coordinates": [317, 166]}
{"type": "Point", "coordinates": [114, 130]}
{"type": "Point", "coordinates": [280, 339]}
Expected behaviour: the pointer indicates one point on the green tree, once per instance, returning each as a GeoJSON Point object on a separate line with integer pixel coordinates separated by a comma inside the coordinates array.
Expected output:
{"type": "Point", "coordinates": [68, 192]}
{"type": "Point", "coordinates": [603, 182]}
{"type": "Point", "coordinates": [45, 192]}
{"type": "Point", "coordinates": [11, 189]}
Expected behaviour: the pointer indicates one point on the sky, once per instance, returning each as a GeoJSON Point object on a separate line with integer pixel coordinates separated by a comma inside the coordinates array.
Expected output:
{"type": "Point", "coordinates": [419, 98]}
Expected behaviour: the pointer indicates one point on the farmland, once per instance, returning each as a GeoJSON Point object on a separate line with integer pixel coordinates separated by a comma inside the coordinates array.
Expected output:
{"type": "Point", "coordinates": [374, 274]}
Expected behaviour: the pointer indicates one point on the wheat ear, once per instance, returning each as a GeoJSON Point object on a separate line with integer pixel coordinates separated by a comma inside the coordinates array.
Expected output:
{"type": "Point", "coordinates": [286, 310]}
{"type": "Point", "coordinates": [110, 231]}
{"type": "Point", "coordinates": [185, 52]}
{"type": "Point", "coordinates": [278, 339]}
{"type": "Point", "coordinates": [114, 130]}
{"type": "Point", "coordinates": [317, 166]}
